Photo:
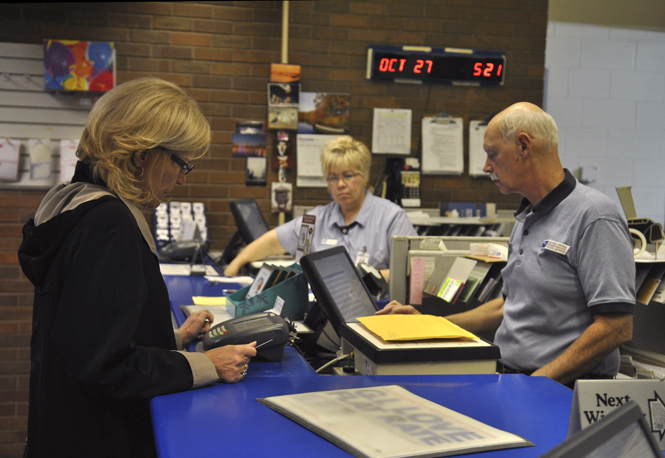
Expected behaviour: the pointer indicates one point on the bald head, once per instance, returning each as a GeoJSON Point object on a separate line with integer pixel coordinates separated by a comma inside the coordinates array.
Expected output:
{"type": "Point", "coordinates": [521, 144]}
{"type": "Point", "coordinates": [531, 119]}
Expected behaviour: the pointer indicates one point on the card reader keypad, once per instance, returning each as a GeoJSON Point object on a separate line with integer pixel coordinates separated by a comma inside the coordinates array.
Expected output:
{"type": "Point", "coordinates": [216, 331]}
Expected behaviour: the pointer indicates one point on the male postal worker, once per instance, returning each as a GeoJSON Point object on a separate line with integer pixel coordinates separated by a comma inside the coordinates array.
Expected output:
{"type": "Point", "coordinates": [569, 284]}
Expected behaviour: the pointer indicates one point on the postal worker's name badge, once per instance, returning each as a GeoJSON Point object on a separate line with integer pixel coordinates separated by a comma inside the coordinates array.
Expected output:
{"type": "Point", "coordinates": [557, 247]}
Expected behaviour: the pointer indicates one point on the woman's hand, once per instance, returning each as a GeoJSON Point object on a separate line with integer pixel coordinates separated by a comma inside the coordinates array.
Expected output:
{"type": "Point", "coordinates": [266, 245]}
{"type": "Point", "coordinates": [196, 325]}
{"type": "Point", "coordinates": [395, 307]}
{"type": "Point", "coordinates": [231, 271]}
{"type": "Point", "coordinates": [232, 361]}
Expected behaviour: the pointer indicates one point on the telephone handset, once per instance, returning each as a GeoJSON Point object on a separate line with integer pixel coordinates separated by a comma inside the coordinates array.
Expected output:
{"type": "Point", "coordinates": [373, 279]}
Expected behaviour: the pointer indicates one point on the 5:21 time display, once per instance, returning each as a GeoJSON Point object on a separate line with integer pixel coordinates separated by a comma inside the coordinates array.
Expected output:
{"type": "Point", "coordinates": [478, 68]}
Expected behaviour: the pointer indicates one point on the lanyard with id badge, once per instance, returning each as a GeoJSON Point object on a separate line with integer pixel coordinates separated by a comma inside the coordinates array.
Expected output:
{"type": "Point", "coordinates": [305, 236]}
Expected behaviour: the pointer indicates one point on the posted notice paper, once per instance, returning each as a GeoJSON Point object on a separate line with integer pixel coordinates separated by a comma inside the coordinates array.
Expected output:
{"type": "Point", "coordinates": [391, 131]}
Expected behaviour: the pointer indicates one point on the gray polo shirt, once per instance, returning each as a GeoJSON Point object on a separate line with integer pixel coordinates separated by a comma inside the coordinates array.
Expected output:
{"type": "Point", "coordinates": [570, 257]}
{"type": "Point", "coordinates": [371, 231]}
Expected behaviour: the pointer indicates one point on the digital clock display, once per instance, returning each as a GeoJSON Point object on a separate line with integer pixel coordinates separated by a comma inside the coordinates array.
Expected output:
{"type": "Point", "coordinates": [435, 65]}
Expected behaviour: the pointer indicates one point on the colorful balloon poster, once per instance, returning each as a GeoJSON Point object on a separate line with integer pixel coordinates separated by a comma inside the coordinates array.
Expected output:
{"type": "Point", "coordinates": [71, 65]}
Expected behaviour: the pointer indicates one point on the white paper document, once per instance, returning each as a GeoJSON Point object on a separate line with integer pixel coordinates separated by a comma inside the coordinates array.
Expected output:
{"type": "Point", "coordinates": [443, 146]}
{"type": "Point", "coordinates": [183, 269]}
{"type": "Point", "coordinates": [309, 147]}
{"type": "Point", "coordinates": [477, 155]}
{"type": "Point", "coordinates": [390, 422]}
{"type": "Point", "coordinates": [391, 131]}
{"type": "Point", "coordinates": [244, 281]}
{"type": "Point", "coordinates": [67, 159]}
{"type": "Point", "coordinates": [10, 153]}
{"type": "Point", "coordinates": [40, 158]}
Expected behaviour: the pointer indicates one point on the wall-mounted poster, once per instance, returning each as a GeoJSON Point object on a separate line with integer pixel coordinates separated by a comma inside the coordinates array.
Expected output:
{"type": "Point", "coordinates": [284, 73]}
{"type": "Point", "coordinates": [324, 113]}
{"type": "Point", "coordinates": [285, 118]}
{"type": "Point", "coordinates": [249, 127]}
{"type": "Point", "coordinates": [249, 139]}
{"type": "Point", "coordinates": [283, 95]}
{"type": "Point", "coordinates": [257, 171]}
{"type": "Point", "coordinates": [246, 145]}
{"type": "Point", "coordinates": [71, 65]}
{"type": "Point", "coordinates": [281, 197]}
{"type": "Point", "coordinates": [283, 100]}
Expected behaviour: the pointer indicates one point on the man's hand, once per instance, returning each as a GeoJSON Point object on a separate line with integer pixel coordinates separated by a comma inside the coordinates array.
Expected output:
{"type": "Point", "coordinates": [395, 307]}
{"type": "Point", "coordinates": [606, 333]}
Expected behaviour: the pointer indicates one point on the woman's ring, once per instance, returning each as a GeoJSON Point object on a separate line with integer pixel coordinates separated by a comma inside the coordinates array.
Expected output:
{"type": "Point", "coordinates": [244, 372]}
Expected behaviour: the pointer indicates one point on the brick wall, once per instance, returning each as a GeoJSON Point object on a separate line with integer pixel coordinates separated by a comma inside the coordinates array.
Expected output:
{"type": "Point", "coordinates": [221, 53]}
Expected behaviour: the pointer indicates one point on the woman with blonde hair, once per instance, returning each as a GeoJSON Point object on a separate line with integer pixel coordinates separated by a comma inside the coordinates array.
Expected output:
{"type": "Point", "coordinates": [356, 219]}
{"type": "Point", "coordinates": [102, 339]}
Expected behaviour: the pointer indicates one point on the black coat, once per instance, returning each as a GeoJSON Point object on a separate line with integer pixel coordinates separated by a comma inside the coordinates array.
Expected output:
{"type": "Point", "coordinates": [102, 338]}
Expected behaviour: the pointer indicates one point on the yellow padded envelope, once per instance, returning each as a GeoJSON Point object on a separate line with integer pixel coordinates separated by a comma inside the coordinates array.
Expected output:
{"type": "Point", "coordinates": [413, 327]}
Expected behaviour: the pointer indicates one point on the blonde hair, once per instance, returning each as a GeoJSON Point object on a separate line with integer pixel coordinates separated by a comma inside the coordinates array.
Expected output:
{"type": "Point", "coordinates": [344, 151]}
{"type": "Point", "coordinates": [142, 116]}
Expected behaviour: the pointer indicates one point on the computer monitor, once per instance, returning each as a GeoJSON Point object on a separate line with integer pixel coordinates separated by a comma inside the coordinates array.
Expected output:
{"type": "Point", "coordinates": [250, 223]}
{"type": "Point", "coordinates": [623, 433]}
{"type": "Point", "coordinates": [338, 286]}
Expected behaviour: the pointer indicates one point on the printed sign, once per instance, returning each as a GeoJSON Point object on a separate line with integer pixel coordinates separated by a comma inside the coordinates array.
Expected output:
{"type": "Point", "coordinates": [594, 399]}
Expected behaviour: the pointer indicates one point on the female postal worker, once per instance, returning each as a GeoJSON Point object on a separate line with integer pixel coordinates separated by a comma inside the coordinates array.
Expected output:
{"type": "Point", "coordinates": [102, 340]}
{"type": "Point", "coordinates": [356, 219]}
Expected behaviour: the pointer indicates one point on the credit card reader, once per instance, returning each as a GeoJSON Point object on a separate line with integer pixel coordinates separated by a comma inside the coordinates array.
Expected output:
{"type": "Point", "coordinates": [269, 330]}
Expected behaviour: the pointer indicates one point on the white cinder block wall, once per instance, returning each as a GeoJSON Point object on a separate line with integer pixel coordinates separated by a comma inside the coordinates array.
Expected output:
{"type": "Point", "coordinates": [605, 88]}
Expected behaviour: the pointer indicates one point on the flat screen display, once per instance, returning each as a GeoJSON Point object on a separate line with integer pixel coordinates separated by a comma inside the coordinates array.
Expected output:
{"type": "Point", "coordinates": [249, 219]}
{"type": "Point", "coordinates": [338, 286]}
{"type": "Point", "coordinates": [250, 223]}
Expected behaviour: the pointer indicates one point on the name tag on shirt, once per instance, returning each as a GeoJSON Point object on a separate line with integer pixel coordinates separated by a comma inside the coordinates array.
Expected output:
{"type": "Point", "coordinates": [557, 247]}
{"type": "Point", "coordinates": [331, 242]}
{"type": "Point", "coordinates": [362, 256]}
